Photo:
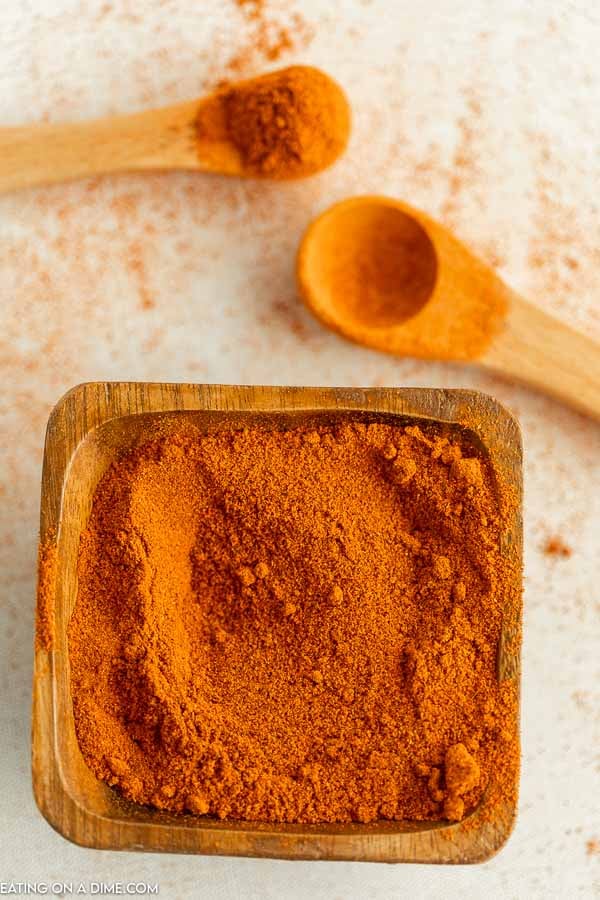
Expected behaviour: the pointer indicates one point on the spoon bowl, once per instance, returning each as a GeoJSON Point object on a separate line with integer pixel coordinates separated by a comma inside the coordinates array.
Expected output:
{"type": "Point", "coordinates": [375, 264]}
{"type": "Point", "coordinates": [388, 276]}
{"type": "Point", "coordinates": [383, 274]}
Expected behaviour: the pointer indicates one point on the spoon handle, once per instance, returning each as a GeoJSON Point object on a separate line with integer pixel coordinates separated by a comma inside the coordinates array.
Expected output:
{"type": "Point", "coordinates": [537, 349]}
{"type": "Point", "coordinates": [45, 154]}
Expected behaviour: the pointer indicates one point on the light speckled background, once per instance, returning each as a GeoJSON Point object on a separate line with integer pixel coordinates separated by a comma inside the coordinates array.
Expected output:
{"type": "Point", "coordinates": [486, 115]}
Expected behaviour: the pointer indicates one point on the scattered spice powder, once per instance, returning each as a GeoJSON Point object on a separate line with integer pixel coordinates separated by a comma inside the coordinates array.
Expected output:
{"type": "Point", "coordinates": [592, 847]}
{"type": "Point", "coordinates": [271, 31]}
{"type": "Point", "coordinates": [44, 629]}
{"type": "Point", "coordinates": [254, 7]}
{"type": "Point", "coordinates": [269, 626]}
{"type": "Point", "coordinates": [286, 124]}
{"type": "Point", "coordinates": [555, 546]}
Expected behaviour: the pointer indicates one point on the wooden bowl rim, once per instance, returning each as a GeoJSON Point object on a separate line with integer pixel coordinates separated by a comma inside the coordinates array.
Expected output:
{"type": "Point", "coordinates": [88, 407]}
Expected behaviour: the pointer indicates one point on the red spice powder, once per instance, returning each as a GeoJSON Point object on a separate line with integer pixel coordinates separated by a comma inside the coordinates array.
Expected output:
{"type": "Point", "coordinates": [269, 35]}
{"type": "Point", "coordinates": [297, 626]}
{"type": "Point", "coordinates": [44, 628]}
{"type": "Point", "coordinates": [555, 546]}
{"type": "Point", "coordinates": [592, 847]}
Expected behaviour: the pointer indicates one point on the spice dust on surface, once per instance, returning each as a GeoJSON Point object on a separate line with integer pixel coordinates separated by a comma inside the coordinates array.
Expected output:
{"type": "Point", "coordinates": [557, 547]}
{"type": "Point", "coordinates": [270, 33]}
{"type": "Point", "coordinates": [297, 626]}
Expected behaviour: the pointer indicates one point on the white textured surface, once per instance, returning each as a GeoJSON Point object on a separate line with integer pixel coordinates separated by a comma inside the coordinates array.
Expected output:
{"type": "Point", "coordinates": [482, 113]}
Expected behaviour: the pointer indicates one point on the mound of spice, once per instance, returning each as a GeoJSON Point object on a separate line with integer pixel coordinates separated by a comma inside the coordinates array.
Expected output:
{"type": "Point", "coordinates": [287, 124]}
{"type": "Point", "coordinates": [297, 626]}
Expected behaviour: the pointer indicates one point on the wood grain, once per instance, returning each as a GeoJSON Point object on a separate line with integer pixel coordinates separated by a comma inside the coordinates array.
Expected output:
{"type": "Point", "coordinates": [87, 428]}
{"type": "Point", "coordinates": [543, 352]}
{"type": "Point", "coordinates": [154, 140]}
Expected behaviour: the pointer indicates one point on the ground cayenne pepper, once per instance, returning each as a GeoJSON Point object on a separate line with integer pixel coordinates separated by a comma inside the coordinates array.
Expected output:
{"type": "Point", "coordinates": [296, 626]}
{"type": "Point", "coordinates": [286, 124]}
{"type": "Point", "coordinates": [47, 562]}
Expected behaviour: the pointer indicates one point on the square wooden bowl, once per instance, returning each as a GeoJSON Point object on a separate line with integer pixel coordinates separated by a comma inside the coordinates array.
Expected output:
{"type": "Point", "coordinates": [87, 429]}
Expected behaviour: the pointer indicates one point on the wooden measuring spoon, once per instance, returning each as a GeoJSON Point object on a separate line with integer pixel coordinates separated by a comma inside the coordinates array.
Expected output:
{"type": "Point", "coordinates": [196, 135]}
{"type": "Point", "coordinates": [386, 275]}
